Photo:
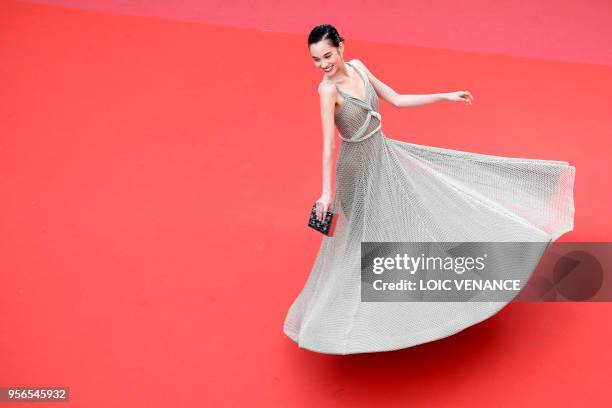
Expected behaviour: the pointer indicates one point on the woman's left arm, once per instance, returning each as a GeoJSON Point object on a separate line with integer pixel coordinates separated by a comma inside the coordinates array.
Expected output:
{"type": "Point", "coordinates": [405, 101]}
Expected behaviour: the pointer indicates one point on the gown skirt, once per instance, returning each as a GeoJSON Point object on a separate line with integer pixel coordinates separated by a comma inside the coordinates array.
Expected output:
{"type": "Point", "coordinates": [393, 191]}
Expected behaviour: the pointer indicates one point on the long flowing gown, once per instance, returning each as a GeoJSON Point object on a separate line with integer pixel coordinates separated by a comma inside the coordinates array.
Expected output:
{"type": "Point", "coordinates": [393, 191]}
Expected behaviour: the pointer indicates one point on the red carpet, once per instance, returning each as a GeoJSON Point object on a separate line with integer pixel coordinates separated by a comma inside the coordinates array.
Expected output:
{"type": "Point", "coordinates": [156, 180]}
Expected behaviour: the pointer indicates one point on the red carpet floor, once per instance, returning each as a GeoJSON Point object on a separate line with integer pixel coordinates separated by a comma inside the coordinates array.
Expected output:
{"type": "Point", "coordinates": [158, 163]}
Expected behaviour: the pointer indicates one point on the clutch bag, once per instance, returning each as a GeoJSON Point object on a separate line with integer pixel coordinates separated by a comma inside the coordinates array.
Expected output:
{"type": "Point", "coordinates": [327, 225]}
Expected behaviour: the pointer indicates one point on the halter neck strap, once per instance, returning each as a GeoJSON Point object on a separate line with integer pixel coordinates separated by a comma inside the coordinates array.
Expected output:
{"type": "Point", "coordinates": [366, 99]}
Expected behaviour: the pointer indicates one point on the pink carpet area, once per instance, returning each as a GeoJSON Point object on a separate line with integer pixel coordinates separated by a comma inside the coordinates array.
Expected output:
{"type": "Point", "coordinates": [159, 160]}
{"type": "Point", "coordinates": [567, 30]}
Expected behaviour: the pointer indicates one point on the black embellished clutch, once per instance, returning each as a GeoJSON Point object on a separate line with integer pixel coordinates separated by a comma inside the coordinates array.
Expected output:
{"type": "Point", "coordinates": [326, 226]}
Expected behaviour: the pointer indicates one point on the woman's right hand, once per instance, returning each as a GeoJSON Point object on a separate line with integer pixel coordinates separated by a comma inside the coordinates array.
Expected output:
{"type": "Point", "coordinates": [322, 205]}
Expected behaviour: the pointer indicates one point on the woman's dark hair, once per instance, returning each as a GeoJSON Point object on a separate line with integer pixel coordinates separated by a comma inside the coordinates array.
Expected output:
{"type": "Point", "coordinates": [325, 32]}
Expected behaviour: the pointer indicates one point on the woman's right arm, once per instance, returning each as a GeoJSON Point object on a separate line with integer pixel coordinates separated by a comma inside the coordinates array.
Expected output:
{"type": "Point", "coordinates": [327, 92]}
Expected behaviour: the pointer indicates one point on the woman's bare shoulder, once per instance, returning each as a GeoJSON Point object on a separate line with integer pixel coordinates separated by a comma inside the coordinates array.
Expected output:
{"type": "Point", "coordinates": [361, 64]}
{"type": "Point", "coordinates": [326, 85]}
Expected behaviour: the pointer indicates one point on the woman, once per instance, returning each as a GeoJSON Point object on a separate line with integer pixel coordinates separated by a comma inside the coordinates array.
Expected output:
{"type": "Point", "coordinates": [393, 191]}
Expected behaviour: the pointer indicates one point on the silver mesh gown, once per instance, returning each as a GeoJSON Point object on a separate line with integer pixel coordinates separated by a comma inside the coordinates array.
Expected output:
{"type": "Point", "coordinates": [390, 190]}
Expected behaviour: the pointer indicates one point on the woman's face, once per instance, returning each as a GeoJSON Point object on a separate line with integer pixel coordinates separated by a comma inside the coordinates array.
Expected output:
{"type": "Point", "coordinates": [326, 57]}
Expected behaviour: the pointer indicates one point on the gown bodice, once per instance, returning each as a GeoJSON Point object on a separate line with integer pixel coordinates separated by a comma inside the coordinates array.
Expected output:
{"type": "Point", "coordinates": [358, 119]}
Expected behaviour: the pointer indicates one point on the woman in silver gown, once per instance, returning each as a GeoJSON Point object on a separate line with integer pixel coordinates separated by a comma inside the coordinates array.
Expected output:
{"type": "Point", "coordinates": [393, 191]}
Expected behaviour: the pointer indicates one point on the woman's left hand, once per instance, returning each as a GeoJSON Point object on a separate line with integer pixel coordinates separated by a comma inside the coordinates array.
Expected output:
{"type": "Point", "coordinates": [460, 96]}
